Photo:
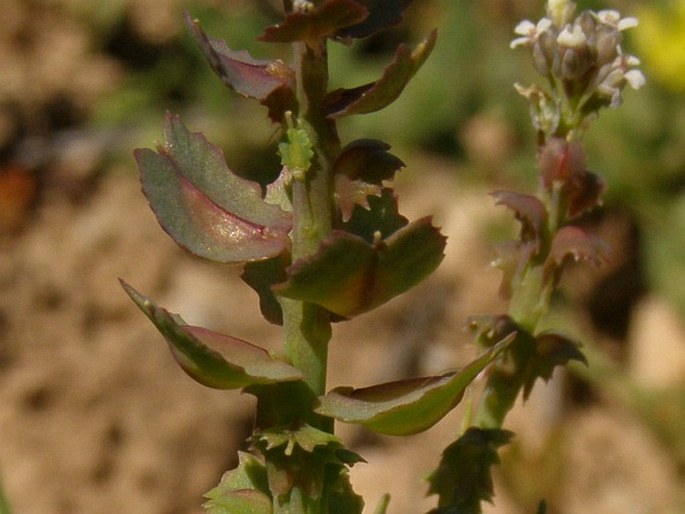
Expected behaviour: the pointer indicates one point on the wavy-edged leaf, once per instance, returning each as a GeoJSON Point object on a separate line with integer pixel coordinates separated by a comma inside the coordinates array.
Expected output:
{"type": "Point", "coordinates": [349, 276]}
{"type": "Point", "coordinates": [377, 95]}
{"type": "Point", "coordinates": [349, 193]}
{"type": "Point", "coordinates": [574, 243]}
{"type": "Point", "coordinates": [368, 160]}
{"type": "Point", "coordinates": [529, 356]}
{"type": "Point", "coordinates": [270, 82]}
{"type": "Point", "coordinates": [205, 207]}
{"type": "Point", "coordinates": [381, 217]}
{"type": "Point", "coordinates": [316, 454]}
{"type": "Point", "coordinates": [407, 406]}
{"type": "Point", "coordinates": [360, 170]}
{"type": "Point", "coordinates": [213, 359]}
{"type": "Point", "coordinates": [383, 14]}
{"type": "Point", "coordinates": [583, 192]}
{"type": "Point", "coordinates": [463, 478]}
{"type": "Point", "coordinates": [529, 210]}
{"type": "Point", "coordinates": [243, 490]}
{"type": "Point", "coordinates": [322, 21]}
{"type": "Point", "coordinates": [551, 350]}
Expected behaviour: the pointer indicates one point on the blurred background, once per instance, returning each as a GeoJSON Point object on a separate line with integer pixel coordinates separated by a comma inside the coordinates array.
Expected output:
{"type": "Point", "coordinates": [95, 416]}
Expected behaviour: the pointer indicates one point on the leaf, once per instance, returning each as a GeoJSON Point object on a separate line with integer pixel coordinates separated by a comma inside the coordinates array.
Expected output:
{"type": "Point", "coordinates": [309, 439]}
{"type": "Point", "coordinates": [574, 243]}
{"type": "Point", "coordinates": [529, 356]}
{"type": "Point", "coordinates": [377, 95]}
{"type": "Point", "coordinates": [321, 21]}
{"type": "Point", "coordinates": [367, 160]}
{"type": "Point", "coordinates": [381, 217]}
{"type": "Point", "coordinates": [205, 207]}
{"type": "Point", "coordinates": [583, 192]}
{"type": "Point", "coordinates": [383, 14]}
{"type": "Point", "coordinates": [214, 359]}
{"type": "Point", "coordinates": [551, 350]}
{"type": "Point", "coordinates": [529, 210]}
{"type": "Point", "coordinates": [406, 406]}
{"type": "Point", "coordinates": [349, 193]}
{"type": "Point", "coordinates": [359, 172]}
{"type": "Point", "coordinates": [242, 490]}
{"type": "Point", "coordinates": [302, 456]}
{"type": "Point", "coordinates": [463, 478]}
{"type": "Point", "coordinates": [270, 82]}
{"type": "Point", "coordinates": [260, 276]}
{"type": "Point", "coordinates": [349, 276]}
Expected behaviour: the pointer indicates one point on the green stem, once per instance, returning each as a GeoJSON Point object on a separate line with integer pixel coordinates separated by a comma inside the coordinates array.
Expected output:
{"type": "Point", "coordinates": [530, 301]}
{"type": "Point", "coordinates": [307, 327]}
{"type": "Point", "coordinates": [4, 505]}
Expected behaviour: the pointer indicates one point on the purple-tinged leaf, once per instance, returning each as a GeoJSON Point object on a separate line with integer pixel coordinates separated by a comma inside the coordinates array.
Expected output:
{"type": "Point", "coordinates": [513, 257]}
{"type": "Point", "coordinates": [367, 160]}
{"type": "Point", "coordinates": [349, 276]}
{"type": "Point", "coordinates": [529, 210]}
{"type": "Point", "coordinates": [377, 95]}
{"type": "Point", "coordinates": [349, 192]}
{"type": "Point", "coordinates": [559, 160]}
{"type": "Point", "coordinates": [583, 192]}
{"type": "Point", "coordinates": [529, 356]}
{"type": "Point", "coordinates": [407, 406]}
{"type": "Point", "coordinates": [270, 82]}
{"type": "Point", "coordinates": [210, 358]}
{"type": "Point", "coordinates": [205, 207]}
{"type": "Point", "coordinates": [322, 21]}
{"type": "Point", "coordinates": [383, 14]}
{"type": "Point", "coordinates": [551, 350]}
{"type": "Point", "coordinates": [574, 243]}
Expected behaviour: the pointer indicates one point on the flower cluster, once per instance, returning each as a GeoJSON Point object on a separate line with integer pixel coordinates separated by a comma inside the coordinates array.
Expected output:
{"type": "Point", "coordinates": [583, 61]}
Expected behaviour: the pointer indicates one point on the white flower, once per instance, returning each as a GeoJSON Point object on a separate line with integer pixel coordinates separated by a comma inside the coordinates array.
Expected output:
{"type": "Point", "coordinates": [572, 38]}
{"type": "Point", "coordinates": [635, 78]}
{"type": "Point", "coordinates": [529, 32]}
{"type": "Point", "coordinates": [613, 19]}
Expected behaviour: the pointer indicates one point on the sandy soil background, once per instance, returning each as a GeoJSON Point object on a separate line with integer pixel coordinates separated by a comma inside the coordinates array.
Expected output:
{"type": "Point", "coordinates": [95, 417]}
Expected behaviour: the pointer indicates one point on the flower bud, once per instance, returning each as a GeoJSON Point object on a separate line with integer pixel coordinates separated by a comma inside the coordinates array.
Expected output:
{"type": "Point", "coordinates": [560, 11]}
{"type": "Point", "coordinates": [606, 44]}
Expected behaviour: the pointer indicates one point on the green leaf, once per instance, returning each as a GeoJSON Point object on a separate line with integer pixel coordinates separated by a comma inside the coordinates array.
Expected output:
{"type": "Point", "coordinates": [406, 406]}
{"type": "Point", "coordinates": [242, 490]}
{"type": "Point", "coordinates": [381, 216]}
{"type": "Point", "coordinates": [377, 95]}
{"type": "Point", "coordinates": [204, 206]}
{"type": "Point", "coordinates": [321, 21]}
{"type": "Point", "coordinates": [349, 276]}
{"type": "Point", "coordinates": [214, 359]}
{"type": "Point", "coordinates": [304, 457]}
{"type": "Point", "coordinates": [463, 478]}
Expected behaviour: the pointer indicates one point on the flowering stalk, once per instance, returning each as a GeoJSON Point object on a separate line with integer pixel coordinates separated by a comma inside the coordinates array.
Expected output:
{"type": "Point", "coordinates": [585, 69]}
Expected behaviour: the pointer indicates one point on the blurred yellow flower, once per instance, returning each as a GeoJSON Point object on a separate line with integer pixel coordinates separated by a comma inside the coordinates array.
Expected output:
{"type": "Point", "coordinates": [661, 40]}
